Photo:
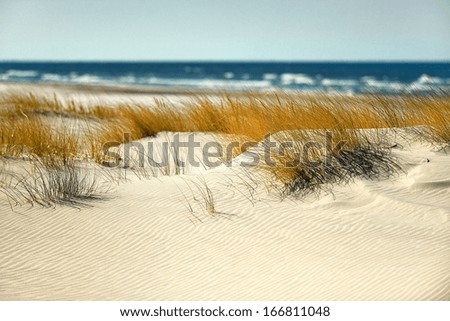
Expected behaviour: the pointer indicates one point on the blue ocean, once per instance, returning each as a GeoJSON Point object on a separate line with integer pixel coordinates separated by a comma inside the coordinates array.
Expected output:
{"type": "Point", "coordinates": [347, 78]}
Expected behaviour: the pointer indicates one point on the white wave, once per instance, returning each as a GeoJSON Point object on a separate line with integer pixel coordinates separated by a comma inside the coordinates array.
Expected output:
{"type": "Point", "coordinates": [338, 82]}
{"type": "Point", "coordinates": [299, 79]}
{"type": "Point", "coordinates": [22, 73]}
{"type": "Point", "coordinates": [130, 79]}
{"type": "Point", "coordinates": [367, 78]}
{"type": "Point", "coordinates": [228, 75]}
{"type": "Point", "coordinates": [54, 78]}
{"type": "Point", "coordinates": [270, 76]}
{"type": "Point", "coordinates": [12, 73]}
{"type": "Point", "coordinates": [393, 86]}
{"type": "Point", "coordinates": [428, 80]}
{"type": "Point", "coordinates": [416, 86]}
{"type": "Point", "coordinates": [87, 79]}
{"type": "Point", "coordinates": [425, 82]}
{"type": "Point", "coordinates": [73, 78]}
{"type": "Point", "coordinates": [371, 82]}
{"type": "Point", "coordinates": [422, 84]}
{"type": "Point", "coordinates": [210, 83]}
{"type": "Point", "coordinates": [397, 86]}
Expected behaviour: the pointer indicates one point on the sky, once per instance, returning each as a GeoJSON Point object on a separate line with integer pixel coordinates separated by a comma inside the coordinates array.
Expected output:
{"type": "Point", "coordinates": [221, 30]}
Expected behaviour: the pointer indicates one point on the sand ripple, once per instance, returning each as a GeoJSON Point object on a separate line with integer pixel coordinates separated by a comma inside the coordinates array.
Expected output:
{"type": "Point", "coordinates": [385, 240]}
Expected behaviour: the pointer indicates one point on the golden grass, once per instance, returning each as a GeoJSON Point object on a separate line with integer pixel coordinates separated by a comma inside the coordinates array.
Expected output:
{"type": "Point", "coordinates": [25, 136]}
{"type": "Point", "coordinates": [250, 116]}
{"type": "Point", "coordinates": [256, 116]}
{"type": "Point", "coordinates": [28, 130]}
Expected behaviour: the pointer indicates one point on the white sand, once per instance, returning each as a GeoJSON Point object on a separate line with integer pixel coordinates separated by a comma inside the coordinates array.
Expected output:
{"type": "Point", "coordinates": [369, 240]}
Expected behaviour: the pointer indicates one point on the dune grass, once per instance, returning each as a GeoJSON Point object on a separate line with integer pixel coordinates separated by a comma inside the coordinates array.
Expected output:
{"type": "Point", "coordinates": [65, 183]}
{"type": "Point", "coordinates": [27, 128]}
{"type": "Point", "coordinates": [24, 136]}
{"type": "Point", "coordinates": [253, 115]}
{"type": "Point", "coordinates": [298, 170]}
{"type": "Point", "coordinates": [32, 104]}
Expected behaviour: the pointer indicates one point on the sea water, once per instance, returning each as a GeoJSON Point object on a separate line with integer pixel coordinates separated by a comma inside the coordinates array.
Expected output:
{"type": "Point", "coordinates": [340, 77]}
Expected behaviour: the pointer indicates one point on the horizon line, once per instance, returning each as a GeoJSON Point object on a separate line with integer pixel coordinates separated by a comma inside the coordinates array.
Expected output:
{"type": "Point", "coordinates": [223, 61]}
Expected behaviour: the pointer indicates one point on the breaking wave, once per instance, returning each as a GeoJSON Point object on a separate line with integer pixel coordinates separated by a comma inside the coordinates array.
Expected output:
{"type": "Point", "coordinates": [230, 76]}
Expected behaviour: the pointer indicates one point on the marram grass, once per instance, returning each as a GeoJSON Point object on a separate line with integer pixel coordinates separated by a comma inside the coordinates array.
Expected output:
{"type": "Point", "coordinates": [28, 128]}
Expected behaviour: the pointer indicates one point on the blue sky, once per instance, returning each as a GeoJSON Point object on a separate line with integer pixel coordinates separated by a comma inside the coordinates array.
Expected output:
{"type": "Point", "coordinates": [286, 30]}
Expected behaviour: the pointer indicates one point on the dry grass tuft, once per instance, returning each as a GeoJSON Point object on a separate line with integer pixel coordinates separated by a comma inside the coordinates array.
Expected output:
{"type": "Point", "coordinates": [65, 183]}
{"type": "Point", "coordinates": [25, 136]}
{"type": "Point", "coordinates": [307, 177]}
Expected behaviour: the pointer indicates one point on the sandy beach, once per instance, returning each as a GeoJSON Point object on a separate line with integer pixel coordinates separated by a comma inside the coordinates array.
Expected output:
{"type": "Point", "coordinates": [220, 232]}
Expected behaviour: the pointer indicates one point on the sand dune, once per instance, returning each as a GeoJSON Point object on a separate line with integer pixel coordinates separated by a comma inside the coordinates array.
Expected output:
{"type": "Point", "coordinates": [369, 240]}
{"type": "Point", "coordinates": [154, 239]}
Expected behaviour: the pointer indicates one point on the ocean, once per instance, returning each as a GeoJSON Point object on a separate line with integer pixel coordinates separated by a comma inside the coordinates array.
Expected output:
{"type": "Point", "coordinates": [340, 77]}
